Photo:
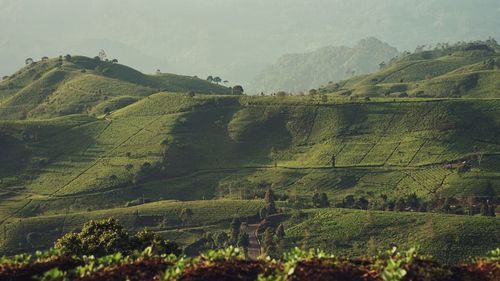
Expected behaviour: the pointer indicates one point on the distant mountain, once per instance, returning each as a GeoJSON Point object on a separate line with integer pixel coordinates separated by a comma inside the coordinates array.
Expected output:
{"type": "Point", "coordinates": [299, 72]}
{"type": "Point", "coordinates": [463, 69]}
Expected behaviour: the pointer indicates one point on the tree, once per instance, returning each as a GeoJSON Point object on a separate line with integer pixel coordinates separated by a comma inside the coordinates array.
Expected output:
{"type": "Point", "coordinates": [485, 209]}
{"type": "Point", "coordinates": [313, 92]}
{"type": "Point", "coordinates": [114, 61]}
{"type": "Point", "coordinates": [315, 200]}
{"type": "Point", "coordinates": [238, 90]}
{"type": "Point", "coordinates": [447, 205]}
{"type": "Point", "coordinates": [210, 79]}
{"type": "Point", "coordinates": [209, 241]}
{"type": "Point", "coordinates": [362, 203]}
{"type": "Point", "coordinates": [221, 240]}
{"type": "Point", "coordinates": [280, 232]}
{"type": "Point", "coordinates": [217, 80]}
{"type": "Point", "coordinates": [146, 238]}
{"type": "Point", "coordinates": [280, 235]}
{"type": "Point", "coordinates": [492, 211]}
{"type": "Point", "coordinates": [391, 205]}
{"type": "Point", "coordinates": [413, 202]}
{"type": "Point", "coordinates": [272, 251]}
{"type": "Point", "coordinates": [270, 199]}
{"type": "Point", "coordinates": [348, 201]}
{"type": "Point", "coordinates": [244, 241]}
{"type": "Point", "coordinates": [186, 216]}
{"type": "Point", "coordinates": [96, 238]}
{"type": "Point", "coordinates": [323, 200]}
{"type": "Point", "coordinates": [268, 238]}
{"type": "Point", "coordinates": [269, 244]}
{"type": "Point", "coordinates": [28, 61]}
{"type": "Point", "coordinates": [488, 209]}
{"type": "Point", "coordinates": [107, 237]}
{"type": "Point", "coordinates": [400, 205]}
{"type": "Point", "coordinates": [263, 213]}
{"type": "Point", "coordinates": [324, 98]}
{"type": "Point", "coordinates": [281, 94]}
{"type": "Point", "coordinates": [103, 56]}
{"type": "Point", "coordinates": [235, 230]}
{"type": "Point", "coordinates": [67, 57]}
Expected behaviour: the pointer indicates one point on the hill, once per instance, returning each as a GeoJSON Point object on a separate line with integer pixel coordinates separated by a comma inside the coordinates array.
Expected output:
{"type": "Point", "coordinates": [176, 146]}
{"type": "Point", "coordinates": [356, 233]}
{"type": "Point", "coordinates": [81, 85]}
{"type": "Point", "coordinates": [459, 70]}
{"type": "Point", "coordinates": [301, 72]}
{"type": "Point", "coordinates": [425, 162]}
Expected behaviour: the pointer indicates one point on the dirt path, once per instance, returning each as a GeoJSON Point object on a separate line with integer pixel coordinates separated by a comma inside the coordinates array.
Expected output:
{"type": "Point", "coordinates": [254, 247]}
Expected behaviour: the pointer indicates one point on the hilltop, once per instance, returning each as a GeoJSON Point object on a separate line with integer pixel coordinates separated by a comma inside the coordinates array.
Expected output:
{"type": "Point", "coordinates": [458, 70]}
{"type": "Point", "coordinates": [301, 72]}
{"type": "Point", "coordinates": [82, 85]}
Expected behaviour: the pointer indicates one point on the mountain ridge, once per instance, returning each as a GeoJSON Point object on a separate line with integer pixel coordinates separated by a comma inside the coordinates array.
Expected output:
{"type": "Point", "coordinates": [304, 71]}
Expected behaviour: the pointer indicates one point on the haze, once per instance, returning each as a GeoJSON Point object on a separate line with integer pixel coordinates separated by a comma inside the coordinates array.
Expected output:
{"type": "Point", "coordinates": [234, 39]}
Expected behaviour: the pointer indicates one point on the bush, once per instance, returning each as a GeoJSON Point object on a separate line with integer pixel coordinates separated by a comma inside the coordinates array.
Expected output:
{"type": "Point", "coordinates": [147, 238]}
{"type": "Point", "coordinates": [96, 238]}
{"type": "Point", "coordinates": [107, 236]}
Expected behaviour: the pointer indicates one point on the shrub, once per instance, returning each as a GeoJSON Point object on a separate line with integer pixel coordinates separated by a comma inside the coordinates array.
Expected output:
{"type": "Point", "coordinates": [107, 237]}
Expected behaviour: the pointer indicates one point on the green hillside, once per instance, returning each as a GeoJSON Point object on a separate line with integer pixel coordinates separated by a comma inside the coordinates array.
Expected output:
{"type": "Point", "coordinates": [75, 85]}
{"type": "Point", "coordinates": [350, 232]}
{"type": "Point", "coordinates": [163, 217]}
{"type": "Point", "coordinates": [109, 141]}
{"type": "Point", "coordinates": [461, 70]}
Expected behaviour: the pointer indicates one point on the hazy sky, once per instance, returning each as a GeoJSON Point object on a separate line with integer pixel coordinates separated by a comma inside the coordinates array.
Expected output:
{"type": "Point", "coordinates": [231, 38]}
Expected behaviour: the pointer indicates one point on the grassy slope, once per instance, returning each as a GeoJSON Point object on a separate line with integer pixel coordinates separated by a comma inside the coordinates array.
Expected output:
{"type": "Point", "coordinates": [346, 232]}
{"type": "Point", "coordinates": [380, 146]}
{"type": "Point", "coordinates": [162, 216]}
{"type": "Point", "coordinates": [84, 85]}
{"type": "Point", "coordinates": [441, 73]}
{"type": "Point", "coordinates": [216, 146]}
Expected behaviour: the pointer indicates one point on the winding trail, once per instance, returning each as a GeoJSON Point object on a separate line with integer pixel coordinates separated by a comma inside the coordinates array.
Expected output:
{"type": "Point", "coordinates": [254, 246]}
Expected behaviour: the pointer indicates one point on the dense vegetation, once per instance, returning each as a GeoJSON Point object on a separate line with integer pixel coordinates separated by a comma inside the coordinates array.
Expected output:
{"type": "Point", "coordinates": [230, 264]}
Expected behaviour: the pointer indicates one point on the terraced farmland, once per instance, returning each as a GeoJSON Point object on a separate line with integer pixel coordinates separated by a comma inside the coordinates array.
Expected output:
{"type": "Point", "coordinates": [58, 169]}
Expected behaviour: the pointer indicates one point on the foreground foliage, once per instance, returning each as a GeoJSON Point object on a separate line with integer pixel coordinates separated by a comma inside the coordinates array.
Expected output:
{"type": "Point", "coordinates": [108, 236]}
{"type": "Point", "coordinates": [230, 264]}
